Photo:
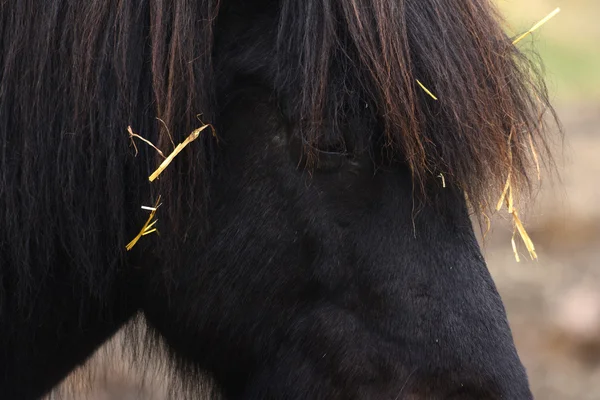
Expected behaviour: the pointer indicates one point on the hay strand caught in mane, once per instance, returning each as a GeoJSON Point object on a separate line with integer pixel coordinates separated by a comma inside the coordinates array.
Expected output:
{"type": "Point", "coordinates": [133, 135]}
{"type": "Point", "coordinates": [508, 199]}
{"type": "Point", "coordinates": [523, 36]}
{"type": "Point", "coordinates": [507, 196]}
{"type": "Point", "coordinates": [193, 136]}
{"type": "Point", "coordinates": [148, 227]}
{"type": "Point", "coordinates": [443, 178]}
{"type": "Point", "coordinates": [514, 246]}
{"type": "Point", "coordinates": [537, 26]}
{"type": "Point", "coordinates": [426, 90]}
{"type": "Point", "coordinates": [524, 235]}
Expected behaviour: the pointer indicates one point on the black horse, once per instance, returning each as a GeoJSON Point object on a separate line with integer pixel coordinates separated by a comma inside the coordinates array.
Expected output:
{"type": "Point", "coordinates": [317, 246]}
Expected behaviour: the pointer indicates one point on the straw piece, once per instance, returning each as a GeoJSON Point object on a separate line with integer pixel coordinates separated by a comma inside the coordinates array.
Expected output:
{"type": "Point", "coordinates": [508, 199]}
{"type": "Point", "coordinates": [147, 228]}
{"type": "Point", "coordinates": [514, 246]}
{"type": "Point", "coordinates": [511, 203]}
{"type": "Point", "coordinates": [538, 25]}
{"type": "Point", "coordinates": [151, 225]}
{"type": "Point", "coordinates": [193, 136]}
{"type": "Point", "coordinates": [504, 193]}
{"type": "Point", "coordinates": [135, 135]}
{"type": "Point", "coordinates": [508, 196]}
{"type": "Point", "coordinates": [427, 90]}
{"type": "Point", "coordinates": [525, 236]}
{"type": "Point", "coordinates": [443, 180]}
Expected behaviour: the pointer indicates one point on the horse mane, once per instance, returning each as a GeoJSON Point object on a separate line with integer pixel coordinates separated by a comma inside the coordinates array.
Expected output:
{"type": "Point", "coordinates": [75, 74]}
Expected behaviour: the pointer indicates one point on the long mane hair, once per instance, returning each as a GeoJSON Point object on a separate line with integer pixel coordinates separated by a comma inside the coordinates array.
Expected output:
{"type": "Point", "coordinates": [491, 99]}
{"type": "Point", "coordinates": [75, 74]}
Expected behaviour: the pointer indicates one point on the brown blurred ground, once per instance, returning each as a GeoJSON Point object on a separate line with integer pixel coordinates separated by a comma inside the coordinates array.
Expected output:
{"type": "Point", "coordinates": [553, 304]}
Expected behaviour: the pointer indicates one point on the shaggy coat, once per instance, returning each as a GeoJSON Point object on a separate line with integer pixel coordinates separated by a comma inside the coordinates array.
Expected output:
{"type": "Point", "coordinates": [308, 249]}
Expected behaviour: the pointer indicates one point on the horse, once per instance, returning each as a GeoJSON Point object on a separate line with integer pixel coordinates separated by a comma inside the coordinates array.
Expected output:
{"type": "Point", "coordinates": [315, 243]}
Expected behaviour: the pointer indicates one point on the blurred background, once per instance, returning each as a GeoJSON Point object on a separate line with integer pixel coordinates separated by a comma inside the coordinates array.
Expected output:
{"type": "Point", "coordinates": [553, 304]}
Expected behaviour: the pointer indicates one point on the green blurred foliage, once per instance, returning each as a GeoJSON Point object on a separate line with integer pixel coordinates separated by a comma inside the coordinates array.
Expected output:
{"type": "Point", "coordinates": [569, 44]}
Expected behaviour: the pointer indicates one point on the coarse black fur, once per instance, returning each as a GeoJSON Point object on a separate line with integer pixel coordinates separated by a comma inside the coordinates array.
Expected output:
{"type": "Point", "coordinates": [307, 251]}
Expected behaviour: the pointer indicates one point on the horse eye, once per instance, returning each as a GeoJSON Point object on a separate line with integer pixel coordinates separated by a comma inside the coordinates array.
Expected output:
{"type": "Point", "coordinates": [329, 161]}
{"type": "Point", "coordinates": [323, 158]}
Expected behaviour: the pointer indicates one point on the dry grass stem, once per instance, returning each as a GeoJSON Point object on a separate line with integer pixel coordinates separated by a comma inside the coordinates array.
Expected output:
{"type": "Point", "coordinates": [511, 203]}
{"type": "Point", "coordinates": [524, 236]}
{"type": "Point", "coordinates": [426, 90]}
{"type": "Point", "coordinates": [507, 198]}
{"type": "Point", "coordinates": [514, 246]}
{"type": "Point", "coordinates": [443, 178]}
{"type": "Point", "coordinates": [193, 136]}
{"type": "Point", "coordinates": [148, 227]}
{"type": "Point", "coordinates": [504, 193]}
{"type": "Point", "coordinates": [537, 26]}
{"type": "Point", "coordinates": [133, 135]}
{"type": "Point", "coordinates": [507, 193]}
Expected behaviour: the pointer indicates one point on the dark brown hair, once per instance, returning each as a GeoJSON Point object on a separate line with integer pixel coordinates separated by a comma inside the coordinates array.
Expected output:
{"type": "Point", "coordinates": [75, 73]}
{"type": "Point", "coordinates": [492, 100]}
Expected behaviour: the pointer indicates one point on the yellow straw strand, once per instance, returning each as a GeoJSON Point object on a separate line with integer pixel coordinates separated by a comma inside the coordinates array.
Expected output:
{"type": "Point", "coordinates": [146, 229]}
{"type": "Point", "coordinates": [427, 90]}
{"type": "Point", "coordinates": [142, 231]}
{"type": "Point", "coordinates": [538, 25]}
{"type": "Point", "coordinates": [135, 135]}
{"type": "Point", "coordinates": [510, 201]}
{"type": "Point", "coordinates": [504, 193]}
{"type": "Point", "coordinates": [514, 246]}
{"type": "Point", "coordinates": [443, 180]}
{"type": "Point", "coordinates": [151, 225]}
{"type": "Point", "coordinates": [193, 136]}
{"type": "Point", "coordinates": [526, 239]}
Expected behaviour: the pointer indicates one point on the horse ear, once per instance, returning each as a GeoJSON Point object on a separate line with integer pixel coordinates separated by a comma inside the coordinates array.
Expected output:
{"type": "Point", "coordinates": [451, 91]}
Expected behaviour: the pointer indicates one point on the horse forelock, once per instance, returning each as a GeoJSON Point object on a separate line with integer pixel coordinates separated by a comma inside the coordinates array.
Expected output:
{"type": "Point", "coordinates": [487, 121]}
